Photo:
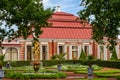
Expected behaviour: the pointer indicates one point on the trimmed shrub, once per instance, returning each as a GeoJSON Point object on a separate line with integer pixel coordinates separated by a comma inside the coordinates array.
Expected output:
{"type": "Point", "coordinates": [21, 76]}
{"type": "Point", "coordinates": [114, 55]}
{"type": "Point", "coordinates": [82, 55]}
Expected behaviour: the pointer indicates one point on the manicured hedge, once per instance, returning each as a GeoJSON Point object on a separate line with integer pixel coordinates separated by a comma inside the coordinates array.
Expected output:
{"type": "Point", "coordinates": [111, 64]}
{"type": "Point", "coordinates": [22, 76]}
{"type": "Point", "coordinates": [18, 63]}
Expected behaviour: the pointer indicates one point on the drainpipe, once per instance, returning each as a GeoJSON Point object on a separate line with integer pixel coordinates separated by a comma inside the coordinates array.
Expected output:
{"type": "Point", "coordinates": [52, 47]}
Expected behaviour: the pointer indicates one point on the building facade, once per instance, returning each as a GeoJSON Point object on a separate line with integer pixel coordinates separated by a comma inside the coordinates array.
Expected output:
{"type": "Point", "coordinates": [65, 34]}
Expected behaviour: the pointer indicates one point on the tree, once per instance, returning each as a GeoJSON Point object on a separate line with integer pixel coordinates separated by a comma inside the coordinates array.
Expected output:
{"type": "Point", "coordinates": [59, 58]}
{"type": "Point", "coordinates": [114, 55]}
{"type": "Point", "coordinates": [106, 14]}
{"type": "Point", "coordinates": [82, 55]}
{"type": "Point", "coordinates": [28, 17]}
{"type": "Point", "coordinates": [1, 60]}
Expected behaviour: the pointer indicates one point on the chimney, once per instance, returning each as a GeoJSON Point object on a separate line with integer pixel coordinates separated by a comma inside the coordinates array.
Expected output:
{"type": "Point", "coordinates": [58, 9]}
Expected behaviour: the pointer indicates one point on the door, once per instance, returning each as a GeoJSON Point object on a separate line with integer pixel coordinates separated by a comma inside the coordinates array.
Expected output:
{"type": "Point", "coordinates": [44, 52]}
{"type": "Point", "coordinates": [29, 52]}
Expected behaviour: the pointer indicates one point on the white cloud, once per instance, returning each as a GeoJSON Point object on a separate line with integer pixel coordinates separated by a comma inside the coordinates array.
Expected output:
{"type": "Point", "coordinates": [48, 3]}
{"type": "Point", "coordinates": [70, 6]}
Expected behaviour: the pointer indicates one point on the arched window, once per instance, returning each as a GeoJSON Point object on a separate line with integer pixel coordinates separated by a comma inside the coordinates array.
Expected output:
{"type": "Point", "coordinates": [11, 54]}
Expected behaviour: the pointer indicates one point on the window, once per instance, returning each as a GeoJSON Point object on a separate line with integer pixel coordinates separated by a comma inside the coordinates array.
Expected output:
{"type": "Point", "coordinates": [29, 52]}
{"type": "Point", "coordinates": [101, 49]}
{"type": "Point", "coordinates": [61, 49]}
{"type": "Point", "coordinates": [74, 52]}
{"type": "Point", "coordinates": [11, 54]}
{"type": "Point", "coordinates": [101, 52]}
{"type": "Point", "coordinates": [44, 52]}
{"type": "Point", "coordinates": [86, 49]}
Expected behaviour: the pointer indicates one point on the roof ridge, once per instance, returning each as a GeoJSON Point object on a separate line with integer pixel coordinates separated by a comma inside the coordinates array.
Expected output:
{"type": "Point", "coordinates": [62, 13]}
{"type": "Point", "coordinates": [63, 20]}
{"type": "Point", "coordinates": [71, 27]}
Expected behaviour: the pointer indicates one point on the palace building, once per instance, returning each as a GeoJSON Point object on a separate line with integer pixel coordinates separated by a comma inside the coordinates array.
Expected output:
{"type": "Point", "coordinates": [65, 35]}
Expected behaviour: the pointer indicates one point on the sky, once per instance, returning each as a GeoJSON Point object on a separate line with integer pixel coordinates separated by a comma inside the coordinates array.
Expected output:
{"type": "Point", "coordinates": [69, 6]}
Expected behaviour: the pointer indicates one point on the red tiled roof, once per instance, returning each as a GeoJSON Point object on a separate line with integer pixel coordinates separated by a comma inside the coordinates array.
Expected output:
{"type": "Point", "coordinates": [64, 17]}
{"type": "Point", "coordinates": [72, 24]}
{"type": "Point", "coordinates": [66, 26]}
{"type": "Point", "coordinates": [66, 33]}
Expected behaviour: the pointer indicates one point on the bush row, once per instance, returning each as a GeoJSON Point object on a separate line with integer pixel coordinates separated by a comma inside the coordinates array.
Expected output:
{"type": "Point", "coordinates": [111, 64]}
{"type": "Point", "coordinates": [23, 76]}
{"type": "Point", "coordinates": [18, 63]}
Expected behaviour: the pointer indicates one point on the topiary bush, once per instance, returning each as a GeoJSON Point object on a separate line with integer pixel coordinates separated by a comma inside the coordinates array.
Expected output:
{"type": "Point", "coordinates": [82, 55]}
{"type": "Point", "coordinates": [114, 55]}
{"type": "Point", "coordinates": [22, 76]}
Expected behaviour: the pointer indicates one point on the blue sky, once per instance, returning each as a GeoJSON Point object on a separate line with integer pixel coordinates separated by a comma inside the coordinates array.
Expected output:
{"type": "Point", "coordinates": [70, 6]}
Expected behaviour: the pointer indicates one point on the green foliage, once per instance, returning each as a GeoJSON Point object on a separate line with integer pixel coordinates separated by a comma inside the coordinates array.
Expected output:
{"type": "Point", "coordinates": [21, 63]}
{"type": "Point", "coordinates": [106, 75]}
{"type": "Point", "coordinates": [110, 64]}
{"type": "Point", "coordinates": [90, 58]}
{"type": "Point", "coordinates": [82, 55]}
{"type": "Point", "coordinates": [59, 57]}
{"type": "Point", "coordinates": [15, 75]}
{"type": "Point", "coordinates": [23, 76]}
{"type": "Point", "coordinates": [28, 16]}
{"type": "Point", "coordinates": [106, 14]}
{"type": "Point", "coordinates": [114, 55]}
{"type": "Point", "coordinates": [1, 60]}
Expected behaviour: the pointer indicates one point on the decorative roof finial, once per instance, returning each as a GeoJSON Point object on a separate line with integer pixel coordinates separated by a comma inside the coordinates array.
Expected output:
{"type": "Point", "coordinates": [58, 9]}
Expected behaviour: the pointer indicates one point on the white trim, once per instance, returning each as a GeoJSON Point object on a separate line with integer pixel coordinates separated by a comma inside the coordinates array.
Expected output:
{"type": "Point", "coordinates": [65, 51]}
{"type": "Point", "coordinates": [117, 50]}
{"type": "Point", "coordinates": [61, 43]}
{"type": "Point", "coordinates": [18, 53]}
{"type": "Point", "coordinates": [41, 52]}
{"type": "Point", "coordinates": [85, 43]}
{"type": "Point", "coordinates": [25, 54]}
{"type": "Point", "coordinates": [105, 52]}
{"type": "Point", "coordinates": [43, 43]}
{"type": "Point", "coordinates": [70, 52]}
{"type": "Point", "coordinates": [98, 47]}
{"type": "Point", "coordinates": [47, 52]}
{"type": "Point", "coordinates": [90, 50]}
{"type": "Point", "coordinates": [79, 51]}
{"type": "Point", "coordinates": [28, 43]}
